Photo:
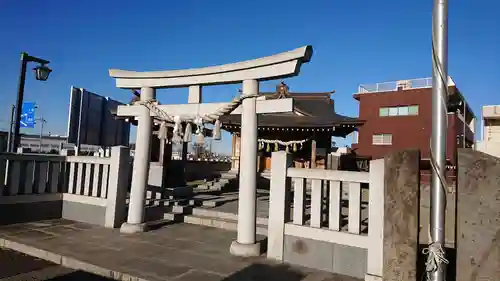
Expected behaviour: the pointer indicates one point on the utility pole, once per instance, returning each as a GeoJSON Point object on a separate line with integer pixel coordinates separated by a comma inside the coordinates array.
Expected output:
{"type": "Point", "coordinates": [42, 121]}
{"type": "Point", "coordinates": [438, 139]}
{"type": "Point", "coordinates": [11, 122]}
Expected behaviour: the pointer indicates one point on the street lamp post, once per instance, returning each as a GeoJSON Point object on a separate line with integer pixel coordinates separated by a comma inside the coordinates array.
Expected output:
{"type": "Point", "coordinates": [42, 72]}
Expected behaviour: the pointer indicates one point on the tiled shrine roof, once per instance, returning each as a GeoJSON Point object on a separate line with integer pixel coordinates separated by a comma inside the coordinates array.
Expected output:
{"type": "Point", "coordinates": [310, 110]}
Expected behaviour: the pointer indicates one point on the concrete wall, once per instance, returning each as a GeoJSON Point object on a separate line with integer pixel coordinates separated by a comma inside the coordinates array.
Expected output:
{"type": "Point", "coordinates": [30, 211]}
{"type": "Point", "coordinates": [82, 212]}
{"type": "Point", "coordinates": [193, 170]}
{"type": "Point", "coordinates": [478, 216]}
{"type": "Point", "coordinates": [331, 257]}
{"type": "Point", "coordinates": [37, 207]}
{"type": "Point", "coordinates": [198, 170]}
{"type": "Point", "coordinates": [401, 215]}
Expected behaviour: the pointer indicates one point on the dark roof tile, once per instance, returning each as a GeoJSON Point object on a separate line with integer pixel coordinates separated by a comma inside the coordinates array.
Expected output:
{"type": "Point", "coordinates": [314, 110]}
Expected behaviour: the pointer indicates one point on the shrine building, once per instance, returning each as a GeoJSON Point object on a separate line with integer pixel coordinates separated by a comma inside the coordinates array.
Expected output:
{"type": "Point", "coordinates": [306, 132]}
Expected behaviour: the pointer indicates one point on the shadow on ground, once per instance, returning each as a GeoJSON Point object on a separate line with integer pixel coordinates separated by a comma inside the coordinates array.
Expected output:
{"type": "Point", "coordinates": [266, 272]}
{"type": "Point", "coordinates": [13, 265]}
{"type": "Point", "coordinates": [79, 276]}
{"type": "Point", "coordinates": [279, 272]}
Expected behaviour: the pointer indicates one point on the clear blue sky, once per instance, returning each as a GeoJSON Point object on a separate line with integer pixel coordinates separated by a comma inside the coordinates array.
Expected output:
{"type": "Point", "coordinates": [354, 42]}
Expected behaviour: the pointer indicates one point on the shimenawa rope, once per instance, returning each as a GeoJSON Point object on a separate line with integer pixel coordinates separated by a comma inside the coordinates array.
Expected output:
{"type": "Point", "coordinates": [198, 120]}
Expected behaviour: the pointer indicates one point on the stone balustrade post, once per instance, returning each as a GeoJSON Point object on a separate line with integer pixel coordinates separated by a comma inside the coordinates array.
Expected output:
{"type": "Point", "coordinates": [278, 204]}
{"type": "Point", "coordinates": [117, 188]}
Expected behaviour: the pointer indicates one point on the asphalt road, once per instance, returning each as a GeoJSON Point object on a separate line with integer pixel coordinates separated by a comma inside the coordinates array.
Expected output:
{"type": "Point", "coordinates": [15, 266]}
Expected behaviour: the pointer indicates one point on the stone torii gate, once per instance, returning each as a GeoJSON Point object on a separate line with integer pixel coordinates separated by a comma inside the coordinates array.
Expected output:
{"type": "Point", "coordinates": [249, 72]}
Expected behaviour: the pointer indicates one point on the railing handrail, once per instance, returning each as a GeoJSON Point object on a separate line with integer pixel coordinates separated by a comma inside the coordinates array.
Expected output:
{"type": "Point", "coordinates": [88, 159]}
{"type": "Point", "coordinates": [55, 158]}
{"type": "Point", "coordinates": [332, 175]}
{"type": "Point", "coordinates": [416, 83]}
{"type": "Point", "coordinates": [32, 157]}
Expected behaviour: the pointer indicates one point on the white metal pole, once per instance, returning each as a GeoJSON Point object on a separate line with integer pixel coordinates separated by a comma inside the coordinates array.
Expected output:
{"type": "Point", "coordinates": [42, 121]}
{"type": "Point", "coordinates": [439, 130]}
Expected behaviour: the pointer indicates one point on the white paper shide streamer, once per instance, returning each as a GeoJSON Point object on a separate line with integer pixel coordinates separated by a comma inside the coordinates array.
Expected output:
{"type": "Point", "coordinates": [276, 143]}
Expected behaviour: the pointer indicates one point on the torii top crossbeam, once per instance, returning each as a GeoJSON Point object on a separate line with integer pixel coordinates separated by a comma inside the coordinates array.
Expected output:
{"type": "Point", "coordinates": [278, 66]}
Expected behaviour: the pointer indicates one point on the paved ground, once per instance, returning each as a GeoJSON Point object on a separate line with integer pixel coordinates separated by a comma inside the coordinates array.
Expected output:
{"type": "Point", "coordinates": [15, 266]}
{"type": "Point", "coordinates": [178, 252]}
{"type": "Point", "coordinates": [231, 205]}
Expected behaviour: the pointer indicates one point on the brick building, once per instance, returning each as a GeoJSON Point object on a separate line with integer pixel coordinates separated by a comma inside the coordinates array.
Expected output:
{"type": "Point", "coordinates": [398, 115]}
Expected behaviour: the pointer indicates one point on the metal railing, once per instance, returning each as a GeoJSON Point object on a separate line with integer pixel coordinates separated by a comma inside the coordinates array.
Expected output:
{"type": "Point", "coordinates": [403, 84]}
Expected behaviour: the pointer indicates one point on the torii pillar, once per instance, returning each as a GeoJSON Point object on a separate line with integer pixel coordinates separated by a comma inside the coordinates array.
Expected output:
{"type": "Point", "coordinates": [135, 220]}
{"type": "Point", "coordinates": [245, 244]}
{"type": "Point", "coordinates": [278, 66]}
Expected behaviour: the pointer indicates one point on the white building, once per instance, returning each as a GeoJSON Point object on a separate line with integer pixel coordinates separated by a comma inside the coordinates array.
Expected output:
{"type": "Point", "coordinates": [52, 143]}
{"type": "Point", "coordinates": [490, 130]}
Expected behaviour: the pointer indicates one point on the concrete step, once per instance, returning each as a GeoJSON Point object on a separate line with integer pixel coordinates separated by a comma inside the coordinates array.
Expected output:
{"type": "Point", "coordinates": [173, 217]}
{"type": "Point", "coordinates": [209, 218]}
{"type": "Point", "coordinates": [206, 200]}
{"type": "Point", "coordinates": [179, 209]}
{"type": "Point", "coordinates": [177, 213]}
{"type": "Point", "coordinates": [224, 181]}
{"type": "Point", "coordinates": [226, 224]}
{"type": "Point", "coordinates": [181, 191]}
{"type": "Point", "coordinates": [206, 192]}
{"type": "Point", "coordinates": [201, 212]}
{"type": "Point", "coordinates": [228, 176]}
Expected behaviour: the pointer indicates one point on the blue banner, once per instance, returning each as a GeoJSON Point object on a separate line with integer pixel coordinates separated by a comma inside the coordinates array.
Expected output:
{"type": "Point", "coordinates": [28, 115]}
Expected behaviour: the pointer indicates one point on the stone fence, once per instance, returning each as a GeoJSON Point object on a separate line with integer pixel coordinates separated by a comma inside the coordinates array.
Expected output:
{"type": "Point", "coordinates": [371, 234]}
{"type": "Point", "coordinates": [89, 189]}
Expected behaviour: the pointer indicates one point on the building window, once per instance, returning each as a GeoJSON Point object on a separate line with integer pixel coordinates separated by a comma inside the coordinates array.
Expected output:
{"type": "Point", "coordinates": [382, 139]}
{"type": "Point", "coordinates": [403, 111]}
{"type": "Point", "coordinates": [399, 111]}
{"type": "Point", "coordinates": [413, 110]}
{"type": "Point", "coordinates": [384, 111]}
{"type": "Point", "coordinates": [393, 111]}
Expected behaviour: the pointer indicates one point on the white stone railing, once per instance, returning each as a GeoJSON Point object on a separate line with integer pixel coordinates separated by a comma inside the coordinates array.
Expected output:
{"type": "Point", "coordinates": [334, 195]}
{"type": "Point", "coordinates": [98, 181]}
{"type": "Point", "coordinates": [88, 175]}
{"type": "Point", "coordinates": [24, 174]}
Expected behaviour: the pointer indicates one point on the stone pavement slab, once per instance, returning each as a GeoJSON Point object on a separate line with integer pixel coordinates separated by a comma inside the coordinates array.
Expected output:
{"type": "Point", "coordinates": [15, 266]}
{"type": "Point", "coordinates": [181, 252]}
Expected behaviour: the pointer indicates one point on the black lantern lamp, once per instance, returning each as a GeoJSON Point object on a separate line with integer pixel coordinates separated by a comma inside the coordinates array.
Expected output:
{"type": "Point", "coordinates": [42, 72]}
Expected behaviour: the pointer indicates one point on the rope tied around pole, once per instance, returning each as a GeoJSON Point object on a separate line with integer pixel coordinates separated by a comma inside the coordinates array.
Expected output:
{"type": "Point", "coordinates": [436, 257]}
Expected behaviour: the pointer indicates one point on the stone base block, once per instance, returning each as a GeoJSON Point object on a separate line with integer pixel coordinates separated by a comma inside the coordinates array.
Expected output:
{"type": "Point", "coordinates": [131, 228]}
{"type": "Point", "coordinates": [245, 250]}
{"type": "Point", "coordinates": [369, 277]}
